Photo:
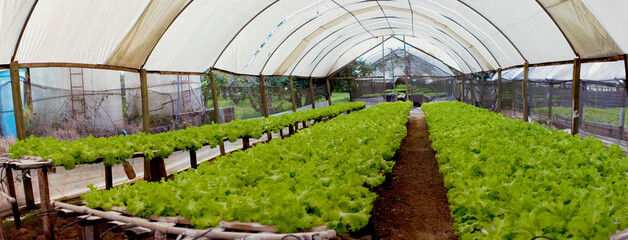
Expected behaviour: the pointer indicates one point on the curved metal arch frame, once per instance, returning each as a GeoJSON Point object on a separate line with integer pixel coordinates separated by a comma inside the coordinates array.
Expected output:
{"type": "Point", "coordinates": [412, 17]}
{"type": "Point", "coordinates": [459, 69]}
{"type": "Point", "coordinates": [473, 56]}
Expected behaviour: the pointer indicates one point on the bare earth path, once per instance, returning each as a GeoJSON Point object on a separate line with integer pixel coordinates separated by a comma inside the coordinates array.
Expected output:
{"type": "Point", "coordinates": [412, 203]}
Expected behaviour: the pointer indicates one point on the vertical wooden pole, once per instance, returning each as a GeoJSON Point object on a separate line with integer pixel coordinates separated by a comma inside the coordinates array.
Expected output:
{"type": "Point", "coordinates": [482, 91]}
{"type": "Point", "coordinates": [145, 118]}
{"type": "Point", "coordinates": [384, 67]}
{"type": "Point", "coordinates": [262, 88]}
{"type": "Point", "coordinates": [328, 91]}
{"type": "Point", "coordinates": [575, 95]}
{"type": "Point", "coordinates": [13, 194]}
{"type": "Point", "coordinates": [312, 93]}
{"type": "Point", "coordinates": [472, 90]}
{"type": "Point", "coordinates": [17, 100]}
{"type": "Point", "coordinates": [405, 61]}
{"type": "Point", "coordinates": [157, 169]}
{"type": "Point", "coordinates": [212, 83]}
{"type": "Point", "coordinates": [623, 100]}
{"type": "Point", "coordinates": [193, 162]}
{"type": "Point", "coordinates": [462, 95]}
{"type": "Point", "coordinates": [549, 104]}
{"type": "Point", "coordinates": [245, 143]}
{"type": "Point", "coordinates": [293, 95]}
{"type": "Point", "coordinates": [44, 196]}
{"type": "Point", "coordinates": [108, 177]}
{"type": "Point", "coordinates": [28, 96]}
{"type": "Point", "coordinates": [524, 91]}
{"type": "Point", "coordinates": [498, 108]}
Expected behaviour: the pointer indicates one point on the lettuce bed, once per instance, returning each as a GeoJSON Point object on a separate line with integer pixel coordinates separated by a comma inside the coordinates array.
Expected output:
{"type": "Point", "coordinates": [509, 179]}
{"type": "Point", "coordinates": [319, 175]}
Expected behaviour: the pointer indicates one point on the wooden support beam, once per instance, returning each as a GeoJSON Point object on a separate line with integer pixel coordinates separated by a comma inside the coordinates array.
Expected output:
{"type": "Point", "coordinates": [549, 105]}
{"type": "Point", "coordinates": [14, 207]}
{"type": "Point", "coordinates": [623, 100]}
{"type": "Point", "coordinates": [270, 135]}
{"type": "Point", "coordinates": [312, 93]}
{"type": "Point", "coordinates": [524, 92]}
{"type": "Point", "coordinates": [108, 177]}
{"type": "Point", "coordinates": [144, 95]}
{"type": "Point", "coordinates": [482, 90]}
{"type": "Point", "coordinates": [245, 143]}
{"type": "Point", "coordinates": [222, 149]}
{"type": "Point", "coordinates": [44, 196]}
{"type": "Point", "coordinates": [498, 108]}
{"type": "Point", "coordinates": [472, 90]}
{"type": "Point", "coordinates": [328, 91]}
{"type": "Point", "coordinates": [157, 169]}
{"type": "Point", "coordinates": [462, 96]}
{"type": "Point", "coordinates": [14, 70]}
{"type": "Point", "coordinates": [293, 95]}
{"type": "Point", "coordinates": [405, 69]}
{"type": "Point", "coordinates": [193, 162]}
{"type": "Point", "coordinates": [576, 113]}
{"type": "Point", "coordinates": [212, 83]}
{"type": "Point", "coordinates": [264, 103]}
{"type": "Point", "coordinates": [27, 182]}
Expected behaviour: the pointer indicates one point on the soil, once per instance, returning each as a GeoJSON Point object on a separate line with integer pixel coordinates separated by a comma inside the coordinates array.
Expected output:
{"type": "Point", "coordinates": [412, 203]}
{"type": "Point", "coordinates": [32, 229]}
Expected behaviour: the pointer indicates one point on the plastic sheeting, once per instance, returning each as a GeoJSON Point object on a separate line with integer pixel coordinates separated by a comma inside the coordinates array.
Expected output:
{"type": "Point", "coordinates": [293, 37]}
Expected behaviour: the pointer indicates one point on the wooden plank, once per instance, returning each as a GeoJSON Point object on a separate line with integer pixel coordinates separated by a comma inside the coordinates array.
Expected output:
{"type": "Point", "coordinates": [499, 91]}
{"type": "Point", "coordinates": [193, 161]}
{"type": "Point", "coordinates": [44, 196]}
{"type": "Point", "coordinates": [108, 177]}
{"type": "Point", "coordinates": [12, 193]}
{"type": "Point", "coordinates": [575, 96]}
{"type": "Point", "coordinates": [293, 95]}
{"type": "Point", "coordinates": [524, 92]}
{"type": "Point", "coordinates": [312, 93]}
{"type": "Point", "coordinates": [264, 103]}
{"type": "Point", "coordinates": [27, 182]}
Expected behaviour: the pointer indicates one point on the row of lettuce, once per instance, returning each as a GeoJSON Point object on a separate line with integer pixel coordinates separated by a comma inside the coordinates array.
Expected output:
{"type": "Point", "coordinates": [320, 175]}
{"type": "Point", "coordinates": [117, 149]}
{"type": "Point", "coordinates": [509, 179]}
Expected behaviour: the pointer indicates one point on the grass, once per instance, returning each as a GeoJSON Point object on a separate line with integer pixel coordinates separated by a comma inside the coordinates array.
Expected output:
{"type": "Point", "coordinates": [598, 115]}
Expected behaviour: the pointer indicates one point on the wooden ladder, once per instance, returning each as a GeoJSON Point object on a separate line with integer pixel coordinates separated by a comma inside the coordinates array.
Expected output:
{"type": "Point", "coordinates": [77, 91]}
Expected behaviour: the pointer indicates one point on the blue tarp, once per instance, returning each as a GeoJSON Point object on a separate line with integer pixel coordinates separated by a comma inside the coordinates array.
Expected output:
{"type": "Point", "coordinates": [7, 116]}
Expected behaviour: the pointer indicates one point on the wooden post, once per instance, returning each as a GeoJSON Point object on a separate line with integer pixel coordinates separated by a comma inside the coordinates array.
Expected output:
{"type": "Point", "coordinates": [312, 93]}
{"type": "Point", "coordinates": [472, 90]}
{"type": "Point", "coordinates": [44, 196]}
{"type": "Point", "coordinates": [108, 177]}
{"type": "Point", "coordinates": [462, 96]}
{"type": "Point", "coordinates": [482, 91]}
{"type": "Point", "coordinates": [193, 162]}
{"type": "Point", "coordinates": [549, 105]}
{"type": "Point", "coordinates": [623, 100]}
{"type": "Point", "coordinates": [13, 194]}
{"type": "Point", "coordinates": [524, 91]}
{"type": "Point", "coordinates": [18, 110]}
{"type": "Point", "coordinates": [293, 95]}
{"type": "Point", "coordinates": [145, 118]}
{"type": "Point", "coordinates": [328, 92]}
{"type": "Point", "coordinates": [270, 135]}
{"type": "Point", "coordinates": [157, 169]}
{"type": "Point", "coordinates": [498, 108]}
{"type": "Point", "coordinates": [575, 96]}
{"type": "Point", "coordinates": [264, 102]}
{"type": "Point", "coordinates": [405, 61]}
{"type": "Point", "coordinates": [245, 143]}
{"type": "Point", "coordinates": [384, 67]}
{"type": "Point", "coordinates": [212, 83]}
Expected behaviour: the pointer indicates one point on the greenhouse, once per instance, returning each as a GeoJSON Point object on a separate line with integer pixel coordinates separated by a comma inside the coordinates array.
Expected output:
{"type": "Point", "coordinates": [327, 119]}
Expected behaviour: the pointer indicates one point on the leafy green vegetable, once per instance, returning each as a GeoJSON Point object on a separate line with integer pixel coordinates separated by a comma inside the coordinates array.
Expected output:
{"type": "Point", "coordinates": [115, 150]}
{"type": "Point", "coordinates": [518, 180]}
{"type": "Point", "coordinates": [317, 176]}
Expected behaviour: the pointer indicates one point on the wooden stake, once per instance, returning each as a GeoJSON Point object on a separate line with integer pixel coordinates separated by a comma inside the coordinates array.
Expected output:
{"type": "Point", "coordinates": [28, 189]}
{"type": "Point", "coordinates": [108, 177]}
{"type": "Point", "coordinates": [328, 91]}
{"type": "Point", "coordinates": [144, 95]}
{"type": "Point", "coordinates": [12, 193]}
{"type": "Point", "coordinates": [44, 196]}
{"type": "Point", "coordinates": [499, 91]}
{"type": "Point", "coordinates": [212, 83]}
{"type": "Point", "coordinates": [524, 91]}
{"type": "Point", "coordinates": [576, 114]}
{"type": "Point", "coordinates": [193, 162]}
{"type": "Point", "coordinates": [222, 149]}
{"type": "Point", "coordinates": [293, 95]}
{"type": "Point", "coordinates": [264, 102]}
{"type": "Point", "coordinates": [312, 93]}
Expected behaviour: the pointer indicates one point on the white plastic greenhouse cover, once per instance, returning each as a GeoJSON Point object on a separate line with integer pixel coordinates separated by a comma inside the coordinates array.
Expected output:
{"type": "Point", "coordinates": [304, 38]}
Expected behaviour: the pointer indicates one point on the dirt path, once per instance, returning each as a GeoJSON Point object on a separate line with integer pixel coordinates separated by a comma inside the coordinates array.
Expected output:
{"type": "Point", "coordinates": [412, 203]}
